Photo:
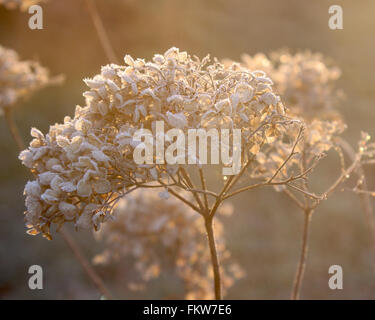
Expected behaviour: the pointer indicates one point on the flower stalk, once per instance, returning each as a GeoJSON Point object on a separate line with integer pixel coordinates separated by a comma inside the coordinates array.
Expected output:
{"type": "Point", "coordinates": [101, 31]}
{"type": "Point", "coordinates": [214, 257]}
{"type": "Point", "coordinates": [13, 129]}
{"type": "Point", "coordinates": [303, 255]}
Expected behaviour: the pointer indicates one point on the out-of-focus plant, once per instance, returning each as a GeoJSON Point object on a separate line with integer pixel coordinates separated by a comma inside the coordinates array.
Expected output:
{"type": "Point", "coordinates": [306, 84]}
{"type": "Point", "coordinates": [163, 234]}
{"type": "Point", "coordinates": [18, 79]}
{"type": "Point", "coordinates": [19, 4]}
{"type": "Point", "coordinates": [84, 166]}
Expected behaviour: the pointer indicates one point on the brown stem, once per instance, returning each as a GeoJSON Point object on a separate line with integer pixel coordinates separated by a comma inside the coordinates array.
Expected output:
{"type": "Point", "coordinates": [100, 30]}
{"type": "Point", "coordinates": [191, 205]}
{"type": "Point", "coordinates": [94, 277]}
{"type": "Point", "coordinates": [8, 114]}
{"type": "Point", "coordinates": [209, 217]}
{"type": "Point", "coordinates": [364, 197]}
{"type": "Point", "coordinates": [204, 187]}
{"type": "Point", "coordinates": [369, 213]}
{"type": "Point", "coordinates": [303, 256]}
{"type": "Point", "coordinates": [214, 257]}
{"type": "Point", "coordinates": [192, 186]}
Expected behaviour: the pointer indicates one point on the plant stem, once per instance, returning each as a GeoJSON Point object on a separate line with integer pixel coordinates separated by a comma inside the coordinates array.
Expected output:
{"type": "Point", "coordinates": [204, 187]}
{"type": "Point", "coordinates": [208, 216]}
{"type": "Point", "coordinates": [364, 197]}
{"type": "Point", "coordinates": [214, 257]}
{"type": "Point", "coordinates": [101, 32]}
{"type": "Point", "coordinates": [8, 114]}
{"type": "Point", "coordinates": [303, 256]}
{"type": "Point", "coordinates": [86, 266]}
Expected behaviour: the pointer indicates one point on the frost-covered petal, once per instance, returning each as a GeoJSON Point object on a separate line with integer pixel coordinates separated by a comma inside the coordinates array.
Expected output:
{"type": "Point", "coordinates": [84, 188]}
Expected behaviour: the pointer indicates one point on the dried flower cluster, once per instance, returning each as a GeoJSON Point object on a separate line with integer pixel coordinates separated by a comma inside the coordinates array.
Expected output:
{"type": "Point", "coordinates": [19, 78]}
{"type": "Point", "coordinates": [306, 85]}
{"type": "Point", "coordinates": [317, 139]}
{"type": "Point", "coordinates": [160, 234]}
{"type": "Point", "coordinates": [367, 151]}
{"type": "Point", "coordinates": [84, 164]}
{"type": "Point", "coordinates": [19, 4]}
{"type": "Point", "coordinates": [305, 81]}
{"type": "Point", "coordinates": [84, 170]}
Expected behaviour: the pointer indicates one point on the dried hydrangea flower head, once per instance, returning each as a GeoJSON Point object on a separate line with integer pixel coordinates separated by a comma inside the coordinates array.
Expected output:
{"type": "Point", "coordinates": [306, 84]}
{"type": "Point", "coordinates": [19, 4]}
{"type": "Point", "coordinates": [317, 139]}
{"type": "Point", "coordinates": [258, 61]}
{"type": "Point", "coordinates": [19, 78]}
{"type": "Point", "coordinates": [305, 81]}
{"type": "Point", "coordinates": [82, 165]}
{"type": "Point", "coordinates": [163, 234]}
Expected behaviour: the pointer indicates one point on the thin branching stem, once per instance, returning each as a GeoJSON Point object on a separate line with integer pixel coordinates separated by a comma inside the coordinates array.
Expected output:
{"type": "Point", "coordinates": [221, 197]}
{"type": "Point", "coordinates": [192, 187]}
{"type": "Point", "coordinates": [344, 175]}
{"type": "Point", "coordinates": [101, 31]}
{"type": "Point", "coordinates": [291, 154]}
{"type": "Point", "coordinates": [86, 266]}
{"type": "Point", "coordinates": [364, 196]}
{"type": "Point", "coordinates": [187, 202]}
{"type": "Point", "coordinates": [308, 211]}
{"type": "Point", "coordinates": [293, 197]}
{"type": "Point", "coordinates": [204, 187]}
{"type": "Point", "coordinates": [286, 182]}
{"type": "Point", "coordinates": [13, 129]}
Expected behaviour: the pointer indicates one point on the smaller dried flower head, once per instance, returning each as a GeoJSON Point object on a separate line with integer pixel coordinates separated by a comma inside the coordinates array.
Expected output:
{"type": "Point", "coordinates": [317, 139]}
{"type": "Point", "coordinates": [19, 78]}
{"type": "Point", "coordinates": [305, 81]}
{"type": "Point", "coordinates": [306, 84]}
{"type": "Point", "coordinates": [160, 234]}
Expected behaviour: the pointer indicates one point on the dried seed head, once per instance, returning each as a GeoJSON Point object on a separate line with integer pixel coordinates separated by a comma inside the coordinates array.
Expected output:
{"type": "Point", "coordinates": [93, 151]}
{"type": "Point", "coordinates": [19, 78]}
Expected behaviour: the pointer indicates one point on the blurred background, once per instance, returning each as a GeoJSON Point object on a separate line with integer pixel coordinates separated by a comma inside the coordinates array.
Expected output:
{"type": "Point", "coordinates": [264, 236]}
